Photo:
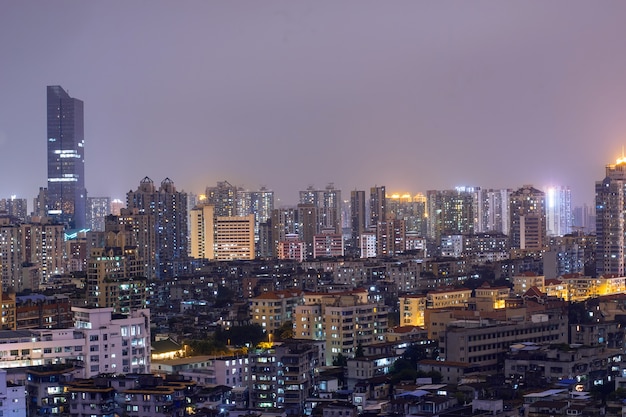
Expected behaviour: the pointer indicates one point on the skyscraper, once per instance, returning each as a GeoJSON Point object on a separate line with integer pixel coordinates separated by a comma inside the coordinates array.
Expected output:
{"type": "Point", "coordinates": [66, 159]}
{"type": "Point", "coordinates": [610, 228]}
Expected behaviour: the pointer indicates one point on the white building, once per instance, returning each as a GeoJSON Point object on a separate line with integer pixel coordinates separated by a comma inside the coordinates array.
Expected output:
{"type": "Point", "coordinates": [99, 341]}
{"type": "Point", "coordinates": [12, 398]}
{"type": "Point", "coordinates": [368, 245]}
{"type": "Point", "coordinates": [232, 371]}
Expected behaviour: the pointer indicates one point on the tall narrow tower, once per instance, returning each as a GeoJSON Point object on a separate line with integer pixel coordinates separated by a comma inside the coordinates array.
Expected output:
{"type": "Point", "coordinates": [378, 206]}
{"type": "Point", "coordinates": [610, 222]}
{"type": "Point", "coordinates": [66, 158]}
{"type": "Point", "coordinates": [357, 216]}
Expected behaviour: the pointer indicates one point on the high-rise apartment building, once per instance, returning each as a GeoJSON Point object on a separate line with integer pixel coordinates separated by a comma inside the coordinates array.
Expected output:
{"type": "Point", "coordinates": [40, 203]}
{"type": "Point", "coordinates": [610, 220]}
{"type": "Point", "coordinates": [14, 207]}
{"type": "Point", "coordinates": [411, 209]}
{"type": "Point", "coordinates": [378, 206]}
{"type": "Point", "coordinates": [527, 219]}
{"type": "Point", "coordinates": [343, 320]}
{"type": "Point", "coordinates": [66, 158]}
{"type": "Point", "coordinates": [30, 253]}
{"type": "Point", "coordinates": [450, 212]}
{"type": "Point", "coordinates": [284, 222]}
{"type": "Point", "coordinates": [492, 213]}
{"type": "Point", "coordinates": [357, 216]}
{"type": "Point", "coordinates": [222, 238]}
{"type": "Point", "coordinates": [260, 204]}
{"type": "Point", "coordinates": [224, 196]}
{"type": "Point", "coordinates": [97, 210]}
{"type": "Point", "coordinates": [558, 211]}
{"type": "Point", "coordinates": [116, 278]}
{"type": "Point", "coordinates": [390, 237]}
{"type": "Point", "coordinates": [116, 206]}
{"type": "Point", "coordinates": [168, 207]}
{"type": "Point", "coordinates": [132, 228]}
{"type": "Point", "coordinates": [307, 226]}
{"type": "Point", "coordinates": [328, 204]}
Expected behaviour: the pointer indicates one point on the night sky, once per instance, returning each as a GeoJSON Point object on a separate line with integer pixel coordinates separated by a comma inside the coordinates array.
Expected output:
{"type": "Point", "coordinates": [413, 95]}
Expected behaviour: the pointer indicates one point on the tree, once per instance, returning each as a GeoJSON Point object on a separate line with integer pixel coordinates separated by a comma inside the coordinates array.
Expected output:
{"type": "Point", "coordinates": [240, 335]}
{"type": "Point", "coordinates": [224, 296]}
{"type": "Point", "coordinates": [359, 353]}
{"type": "Point", "coordinates": [285, 331]}
{"type": "Point", "coordinates": [414, 354]}
{"type": "Point", "coordinates": [340, 360]}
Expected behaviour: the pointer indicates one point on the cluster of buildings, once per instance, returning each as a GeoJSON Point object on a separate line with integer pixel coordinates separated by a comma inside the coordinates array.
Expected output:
{"type": "Point", "coordinates": [360, 280]}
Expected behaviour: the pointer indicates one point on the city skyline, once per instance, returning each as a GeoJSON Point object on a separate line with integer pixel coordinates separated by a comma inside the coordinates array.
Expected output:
{"type": "Point", "coordinates": [413, 96]}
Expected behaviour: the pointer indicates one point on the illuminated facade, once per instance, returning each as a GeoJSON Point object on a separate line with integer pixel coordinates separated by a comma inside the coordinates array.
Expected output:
{"type": "Point", "coordinates": [221, 238]}
{"type": "Point", "coordinates": [97, 209]}
{"type": "Point", "coordinates": [558, 211]}
{"type": "Point", "coordinates": [448, 298]}
{"type": "Point", "coordinates": [202, 238]}
{"type": "Point", "coordinates": [66, 160]}
{"type": "Point", "coordinates": [527, 280]}
{"type": "Point", "coordinates": [234, 238]}
{"type": "Point", "coordinates": [412, 310]}
{"type": "Point", "coordinates": [495, 296]}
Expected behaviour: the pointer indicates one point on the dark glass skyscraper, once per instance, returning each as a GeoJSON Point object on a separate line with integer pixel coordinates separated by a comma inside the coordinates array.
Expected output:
{"type": "Point", "coordinates": [66, 159]}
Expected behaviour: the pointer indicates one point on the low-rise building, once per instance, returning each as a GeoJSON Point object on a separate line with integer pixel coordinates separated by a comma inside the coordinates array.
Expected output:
{"type": "Point", "coordinates": [38, 311]}
{"type": "Point", "coordinates": [271, 310]}
{"type": "Point", "coordinates": [283, 375]}
{"type": "Point", "coordinates": [99, 342]}
{"type": "Point", "coordinates": [483, 343]}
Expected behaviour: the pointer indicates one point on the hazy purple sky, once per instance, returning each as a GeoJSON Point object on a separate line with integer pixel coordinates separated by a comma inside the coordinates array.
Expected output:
{"type": "Point", "coordinates": [414, 95]}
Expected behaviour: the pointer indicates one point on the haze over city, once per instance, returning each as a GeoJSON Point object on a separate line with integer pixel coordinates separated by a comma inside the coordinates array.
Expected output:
{"type": "Point", "coordinates": [411, 95]}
